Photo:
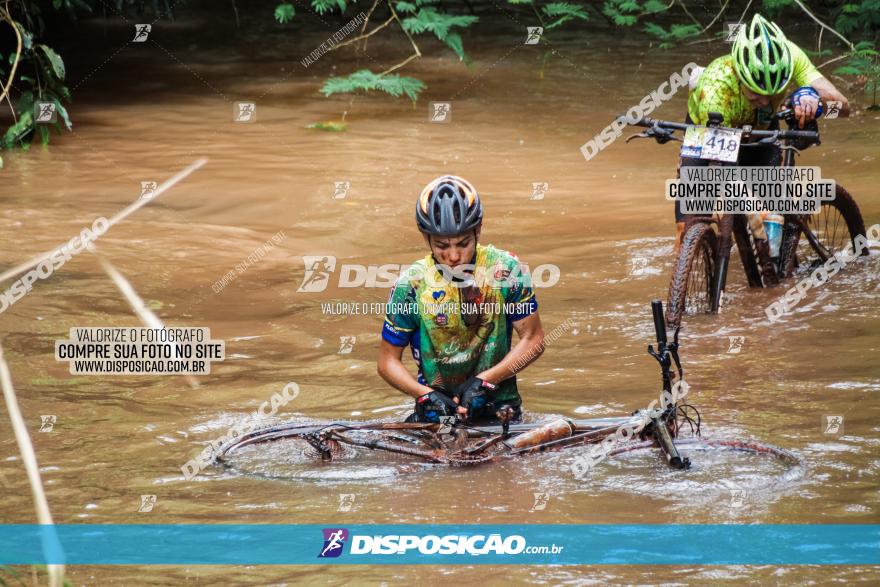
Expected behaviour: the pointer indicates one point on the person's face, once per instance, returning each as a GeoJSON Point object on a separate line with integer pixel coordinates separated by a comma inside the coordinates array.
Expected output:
{"type": "Point", "coordinates": [756, 100]}
{"type": "Point", "coordinates": [454, 250]}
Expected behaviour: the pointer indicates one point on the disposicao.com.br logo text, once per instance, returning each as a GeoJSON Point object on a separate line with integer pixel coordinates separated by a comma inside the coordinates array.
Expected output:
{"type": "Point", "coordinates": [449, 544]}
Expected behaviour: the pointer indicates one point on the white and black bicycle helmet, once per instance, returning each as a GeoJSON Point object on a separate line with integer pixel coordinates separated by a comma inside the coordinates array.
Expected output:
{"type": "Point", "coordinates": [448, 206]}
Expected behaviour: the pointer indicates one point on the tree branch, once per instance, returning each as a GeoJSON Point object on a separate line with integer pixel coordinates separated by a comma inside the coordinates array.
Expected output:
{"type": "Point", "coordinates": [408, 36]}
{"type": "Point", "coordinates": [830, 61]}
{"type": "Point", "coordinates": [717, 16]}
{"type": "Point", "coordinates": [825, 26]}
{"type": "Point", "coordinates": [688, 12]}
{"type": "Point", "coordinates": [4, 15]}
{"type": "Point", "coordinates": [399, 65]}
{"type": "Point", "coordinates": [366, 22]}
{"type": "Point", "coordinates": [367, 36]}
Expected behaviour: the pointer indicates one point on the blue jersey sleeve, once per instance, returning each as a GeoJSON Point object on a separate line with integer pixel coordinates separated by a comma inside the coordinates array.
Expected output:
{"type": "Point", "coordinates": [401, 316]}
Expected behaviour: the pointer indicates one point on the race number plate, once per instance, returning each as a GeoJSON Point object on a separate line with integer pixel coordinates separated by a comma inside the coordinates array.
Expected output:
{"type": "Point", "coordinates": [711, 143]}
{"type": "Point", "coordinates": [721, 145]}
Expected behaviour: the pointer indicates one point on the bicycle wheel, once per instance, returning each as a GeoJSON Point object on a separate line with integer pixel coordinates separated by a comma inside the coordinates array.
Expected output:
{"type": "Point", "coordinates": [838, 222]}
{"type": "Point", "coordinates": [690, 291]}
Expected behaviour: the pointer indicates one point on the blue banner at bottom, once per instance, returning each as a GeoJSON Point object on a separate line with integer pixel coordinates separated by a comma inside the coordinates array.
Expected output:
{"type": "Point", "coordinates": [595, 544]}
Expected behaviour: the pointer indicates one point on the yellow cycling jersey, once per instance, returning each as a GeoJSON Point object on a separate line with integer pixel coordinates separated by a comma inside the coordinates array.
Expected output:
{"type": "Point", "coordinates": [718, 90]}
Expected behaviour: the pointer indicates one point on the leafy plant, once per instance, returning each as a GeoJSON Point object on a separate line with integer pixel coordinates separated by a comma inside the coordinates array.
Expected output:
{"type": "Point", "coordinates": [38, 70]}
{"type": "Point", "coordinates": [675, 34]}
{"type": "Point", "coordinates": [325, 6]}
{"type": "Point", "coordinates": [864, 63]}
{"type": "Point", "coordinates": [42, 70]}
{"type": "Point", "coordinates": [284, 13]}
{"type": "Point", "coordinates": [622, 12]}
{"type": "Point", "coordinates": [367, 81]}
{"type": "Point", "coordinates": [440, 23]}
{"type": "Point", "coordinates": [861, 17]}
{"type": "Point", "coordinates": [774, 7]}
{"type": "Point", "coordinates": [563, 12]}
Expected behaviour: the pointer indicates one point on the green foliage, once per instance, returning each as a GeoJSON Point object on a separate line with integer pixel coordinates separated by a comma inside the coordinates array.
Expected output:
{"type": "Point", "coordinates": [864, 63]}
{"type": "Point", "coordinates": [563, 12]}
{"type": "Point", "coordinates": [325, 6]}
{"type": "Point", "coordinates": [440, 23]}
{"type": "Point", "coordinates": [71, 6]}
{"type": "Point", "coordinates": [654, 7]}
{"type": "Point", "coordinates": [774, 7]}
{"type": "Point", "coordinates": [628, 12]}
{"type": "Point", "coordinates": [40, 70]}
{"type": "Point", "coordinates": [405, 7]}
{"type": "Point", "coordinates": [55, 61]}
{"type": "Point", "coordinates": [367, 81]}
{"type": "Point", "coordinates": [859, 17]}
{"type": "Point", "coordinates": [675, 34]}
{"type": "Point", "coordinates": [284, 13]}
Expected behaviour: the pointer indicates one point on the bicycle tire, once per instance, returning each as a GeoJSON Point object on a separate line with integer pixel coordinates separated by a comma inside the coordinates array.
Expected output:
{"type": "Point", "coordinates": [795, 251]}
{"type": "Point", "coordinates": [722, 443]}
{"type": "Point", "coordinates": [695, 266]}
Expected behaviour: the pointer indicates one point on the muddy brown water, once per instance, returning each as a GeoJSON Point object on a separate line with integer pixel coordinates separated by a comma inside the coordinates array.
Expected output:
{"type": "Point", "coordinates": [151, 109]}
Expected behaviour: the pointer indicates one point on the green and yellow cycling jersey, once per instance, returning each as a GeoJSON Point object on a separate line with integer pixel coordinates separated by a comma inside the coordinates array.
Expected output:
{"type": "Point", "coordinates": [718, 90]}
{"type": "Point", "coordinates": [457, 332]}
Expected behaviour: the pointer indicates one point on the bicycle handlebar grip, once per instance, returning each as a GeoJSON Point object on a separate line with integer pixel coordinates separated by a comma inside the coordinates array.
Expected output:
{"type": "Point", "coordinates": [646, 122]}
{"type": "Point", "coordinates": [659, 321]}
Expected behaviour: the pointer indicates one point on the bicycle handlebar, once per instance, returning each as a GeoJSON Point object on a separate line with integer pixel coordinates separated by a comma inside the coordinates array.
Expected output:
{"type": "Point", "coordinates": [774, 134]}
{"type": "Point", "coordinates": [659, 322]}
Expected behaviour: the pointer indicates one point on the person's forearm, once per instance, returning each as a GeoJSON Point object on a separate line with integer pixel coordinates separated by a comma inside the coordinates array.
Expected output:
{"type": "Point", "coordinates": [400, 378]}
{"type": "Point", "coordinates": [520, 356]}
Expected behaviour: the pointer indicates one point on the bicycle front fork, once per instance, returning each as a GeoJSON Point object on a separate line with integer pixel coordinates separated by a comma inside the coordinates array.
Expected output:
{"type": "Point", "coordinates": [725, 232]}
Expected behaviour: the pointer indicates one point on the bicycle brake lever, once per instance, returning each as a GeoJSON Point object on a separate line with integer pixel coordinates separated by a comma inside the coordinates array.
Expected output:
{"type": "Point", "coordinates": [661, 136]}
{"type": "Point", "coordinates": [641, 135]}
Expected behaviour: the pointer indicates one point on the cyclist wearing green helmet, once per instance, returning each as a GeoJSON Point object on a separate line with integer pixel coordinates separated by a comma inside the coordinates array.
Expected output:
{"type": "Point", "coordinates": [749, 84]}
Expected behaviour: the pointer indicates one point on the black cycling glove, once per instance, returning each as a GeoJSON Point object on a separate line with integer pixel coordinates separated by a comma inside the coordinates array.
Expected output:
{"type": "Point", "coordinates": [474, 394]}
{"type": "Point", "coordinates": [431, 406]}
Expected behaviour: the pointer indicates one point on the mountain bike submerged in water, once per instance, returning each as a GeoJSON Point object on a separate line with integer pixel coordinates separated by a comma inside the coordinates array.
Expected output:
{"type": "Point", "coordinates": [700, 273]}
{"type": "Point", "coordinates": [673, 427]}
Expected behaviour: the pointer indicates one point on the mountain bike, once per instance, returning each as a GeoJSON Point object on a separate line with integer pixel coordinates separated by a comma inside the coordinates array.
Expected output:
{"type": "Point", "coordinates": [458, 442]}
{"type": "Point", "coordinates": [700, 272]}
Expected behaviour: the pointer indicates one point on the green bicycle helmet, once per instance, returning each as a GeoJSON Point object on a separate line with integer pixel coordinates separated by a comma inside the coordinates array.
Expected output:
{"type": "Point", "coordinates": [761, 57]}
